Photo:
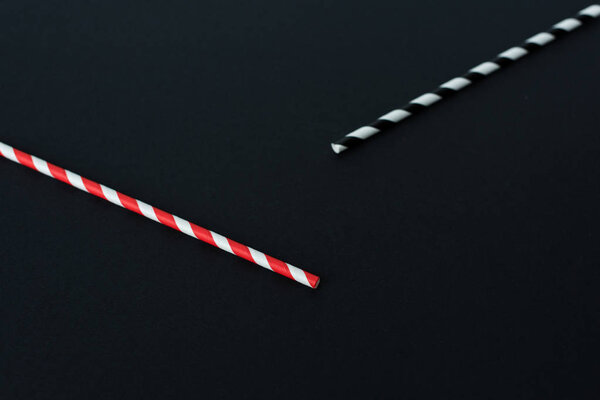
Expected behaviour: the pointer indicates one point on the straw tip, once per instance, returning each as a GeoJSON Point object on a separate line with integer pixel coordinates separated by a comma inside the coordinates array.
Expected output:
{"type": "Point", "coordinates": [316, 284]}
{"type": "Point", "coordinates": [312, 281]}
{"type": "Point", "coordinates": [338, 148]}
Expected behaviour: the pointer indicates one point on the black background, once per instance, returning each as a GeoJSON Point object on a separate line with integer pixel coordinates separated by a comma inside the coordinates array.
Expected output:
{"type": "Point", "coordinates": [459, 254]}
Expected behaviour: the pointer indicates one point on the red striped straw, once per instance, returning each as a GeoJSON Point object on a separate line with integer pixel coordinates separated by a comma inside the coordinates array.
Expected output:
{"type": "Point", "coordinates": [160, 216]}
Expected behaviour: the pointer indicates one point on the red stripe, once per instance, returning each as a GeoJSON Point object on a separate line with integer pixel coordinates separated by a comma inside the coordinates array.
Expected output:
{"type": "Point", "coordinates": [240, 250]}
{"type": "Point", "coordinates": [58, 173]}
{"type": "Point", "coordinates": [165, 218]}
{"type": "Point", "coordinates": [313, 280]}
{"type": "Point", "coordinates": [129, 203]}
{"type": "Point", "coordinates": [93, 187]}
{"type": "Point", "coordinates": [279, 266]}
{"type": "Point", "coordinates": [24, 159]}
{"type": "Point", "coordinates": [202, 234]}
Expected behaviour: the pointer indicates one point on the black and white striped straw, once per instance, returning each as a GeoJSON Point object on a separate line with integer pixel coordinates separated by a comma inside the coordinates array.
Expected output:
{"type": "Point", "coordinates": [536, 42]}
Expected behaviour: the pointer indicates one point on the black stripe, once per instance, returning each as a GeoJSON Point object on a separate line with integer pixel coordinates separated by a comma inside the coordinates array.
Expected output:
{"type": "Point", "coordinates": [558, 32]}
{"type": "Point", "coordinates": [349, 141]}
{"type": "Point", "coordinates": [382, 124]}
{"type": "Point", "coordinates": [444, 92]}
{"type": "Point", "coordinates": [414, 108]}
{"type": "Point", "coordinates": [531, 47]}
{"type": "Point", "coordinates": [584, 18]}
{"type": "Point", "coordinates": [503, 61]}
{"type": "Point", "coordinates": [473, 76]}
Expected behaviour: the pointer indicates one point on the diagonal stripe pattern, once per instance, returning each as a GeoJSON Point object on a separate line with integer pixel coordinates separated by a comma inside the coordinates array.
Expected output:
{"type": "Point", "coordinates": [160, 216]}
{"type": "Point", "coordinates": [534, 43]}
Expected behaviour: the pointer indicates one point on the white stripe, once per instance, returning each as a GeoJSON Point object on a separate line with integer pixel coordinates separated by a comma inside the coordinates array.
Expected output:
{"type": "Point", "coordinates": [260, 258]}
{"type": "Point", "coordinates": [541, 39]}
{"type": "Point", "coordinates": [221, 242]}
{"type": "Point", "coordinates": [396, 115]}
{"type": "Point", "coordinates": [592, 11]}
{"type": "Point", "coordinates": [111, 195]}
{"type": "Point", "coordinates": [338, 148]}
{"type": "Point", "coordinates": [485, 68]}
{"type": "Point", "coordinates": [363, 132]}
{"type": "Point", "coordinates": [184, 226]}
{"type": "Point", "coordinates": [75, 180]}
{"type": "Point", "coordinates": [456, 83]}
{"type": "Point", "coordinates": [427, 99]}
{"type": "Point", "coordinates": [514, 53]}
{"type": "Point", "coordinates": [147, 210]}
{"type": "Point", "coordinates": [568, 24]}
{"type": "Point", "coordinates": [41, 166]}
{"type": "Point", "coordinates": [298, 275]}
{"type": "Point", "coordinates": [8, 152]}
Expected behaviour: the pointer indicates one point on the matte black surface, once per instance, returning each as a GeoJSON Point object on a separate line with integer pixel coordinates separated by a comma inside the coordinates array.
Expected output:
{"type": "Point", "coordinates": [459, 254]}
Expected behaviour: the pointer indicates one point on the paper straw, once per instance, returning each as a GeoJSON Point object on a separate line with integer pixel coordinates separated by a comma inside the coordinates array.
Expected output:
{"type": "Point", "coordinates": [160, 216]}
{"type": "Point", "coordinates": [475, 74]}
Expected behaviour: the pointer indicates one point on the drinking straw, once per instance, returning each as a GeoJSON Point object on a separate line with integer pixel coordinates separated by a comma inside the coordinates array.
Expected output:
{"type": "Point", "coordinates": [160, 216]}
{"type": "Point", "coordinates": [536, 42]}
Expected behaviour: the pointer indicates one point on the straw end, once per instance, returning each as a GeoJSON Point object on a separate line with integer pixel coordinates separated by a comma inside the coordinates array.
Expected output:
{"type": "Point", "coordinates": [311, 281]}
{"type": "Point", "coordinates": [316, 284]}
{"type": "Point", "coordinates": [338, 148]}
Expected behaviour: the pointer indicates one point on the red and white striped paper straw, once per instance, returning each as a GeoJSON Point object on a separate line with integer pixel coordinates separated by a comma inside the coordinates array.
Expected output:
{"type": "Point", "coordinates": [160, 216]}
